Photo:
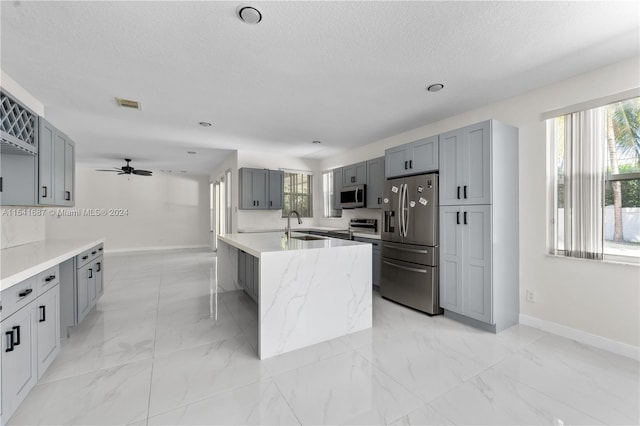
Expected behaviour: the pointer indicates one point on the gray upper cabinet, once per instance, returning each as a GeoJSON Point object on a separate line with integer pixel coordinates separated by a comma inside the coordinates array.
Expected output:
{"type": "Point", "coordinates": [412, 158]}
{"type": "Point", "coordinates": [479, 243]}
{"type": "Point", "coordinates": [261, 189]}
{"type": "Point", "coordinates": [46, 162]}
{"type": "Point", "coordinates": [465, 165]}
{"type": "Point", "coordinates": [354, 174]}
{"type": "Point", "coordinates": [63, 170]}
{"type": "Point", "coordinates": [337, 187]}
{"type": "Point", "coordinates": [276, 189]}
{"type": "Point", "coordinates": [375, 183]}
{"type": "Point", "coordinates": [56, 164]}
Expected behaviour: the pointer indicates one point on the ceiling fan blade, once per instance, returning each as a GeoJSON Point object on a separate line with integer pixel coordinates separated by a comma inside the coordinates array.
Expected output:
{"type": "Point", "coordinates": [108, 170]}
{"type": "Point", "coordinates": [142, 172]}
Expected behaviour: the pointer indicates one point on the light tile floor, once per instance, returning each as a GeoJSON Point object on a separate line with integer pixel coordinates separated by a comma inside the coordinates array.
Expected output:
{"type": "Point", "coordinates": [153, 352]}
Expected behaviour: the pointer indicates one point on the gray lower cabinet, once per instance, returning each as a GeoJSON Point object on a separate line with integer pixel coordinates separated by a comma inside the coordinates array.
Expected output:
{"type": "Point", "coordinates": [261, 189]}
{"type": "Point", "coordinates": [249, 274]}
{"type": "Point", "coordinates": [89, 283]}
{"type": "Point", "coordinates": [375, 183]}
{"type": "Point", "coordinates": [376, 258]}
{"type": "Point", "coordinates": [48, 328]}
{"type": "Point", "coordinates": [56, 165]}
{"type": "Point", "coordinates": [30, 330]}
{"type": "Point", "coordinates": [19, 360]}
{"type": "Point", "coordinates": [465, 261]}
{"type": "Point", "coordinates": [413, 158]}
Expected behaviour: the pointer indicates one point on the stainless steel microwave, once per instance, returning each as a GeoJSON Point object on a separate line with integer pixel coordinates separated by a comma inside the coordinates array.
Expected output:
{"type": "Point", "coordinates": [352, 197]}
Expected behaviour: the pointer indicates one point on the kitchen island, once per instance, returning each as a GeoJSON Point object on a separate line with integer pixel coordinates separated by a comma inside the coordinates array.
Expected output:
{"type": "Point", "coordinates": [307, 291]}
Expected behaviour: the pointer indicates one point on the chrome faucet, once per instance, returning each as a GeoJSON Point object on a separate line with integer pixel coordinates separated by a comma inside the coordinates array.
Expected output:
{"type": "Point", "coordinates": [288, 230]}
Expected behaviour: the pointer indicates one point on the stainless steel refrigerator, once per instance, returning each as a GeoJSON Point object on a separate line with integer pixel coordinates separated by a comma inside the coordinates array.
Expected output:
{"type": "Point", "coordinates": [410, 242]}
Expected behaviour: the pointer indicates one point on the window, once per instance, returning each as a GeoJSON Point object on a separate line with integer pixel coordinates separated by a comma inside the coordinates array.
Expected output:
{"type": "Point", "coordinates": [595, 182]}
{"type": "Point", "coordinates": [328, 207]}
{"type": "Point", "coordinates": [297, 194]}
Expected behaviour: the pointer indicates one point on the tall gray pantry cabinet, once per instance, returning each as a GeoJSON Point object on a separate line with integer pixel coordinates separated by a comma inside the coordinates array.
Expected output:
{"type": "Point", "coordinates": [479, 244]}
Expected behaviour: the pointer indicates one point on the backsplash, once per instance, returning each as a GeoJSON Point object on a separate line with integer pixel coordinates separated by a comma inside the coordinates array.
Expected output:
{"type": "Point", "coordinates": [18, 230]}
{"type": "Point", "coordinates": [254, 220]}
{"type": "Point", "coordinates": [347, 215]}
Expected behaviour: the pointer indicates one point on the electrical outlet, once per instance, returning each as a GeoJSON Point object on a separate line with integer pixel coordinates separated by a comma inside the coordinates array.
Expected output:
{"type": "Point", "coordinates": [531, 296]}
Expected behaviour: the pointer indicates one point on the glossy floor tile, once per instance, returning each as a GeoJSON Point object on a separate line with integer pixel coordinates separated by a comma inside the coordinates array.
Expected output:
{"type": "Point", "coordinates": [162, 347]}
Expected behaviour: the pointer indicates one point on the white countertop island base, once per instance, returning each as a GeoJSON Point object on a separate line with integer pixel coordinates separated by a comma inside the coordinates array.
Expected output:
{"type": "Point", "coordinates": [309, 291]}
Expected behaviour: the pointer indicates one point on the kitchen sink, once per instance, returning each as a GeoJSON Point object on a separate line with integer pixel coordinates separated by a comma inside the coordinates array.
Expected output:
{"type": "Point", "coordinates": [308, 238]}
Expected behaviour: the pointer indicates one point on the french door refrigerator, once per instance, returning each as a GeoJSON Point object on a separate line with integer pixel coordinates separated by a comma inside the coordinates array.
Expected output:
{"type": "Point", "coordinates": [410, 242]}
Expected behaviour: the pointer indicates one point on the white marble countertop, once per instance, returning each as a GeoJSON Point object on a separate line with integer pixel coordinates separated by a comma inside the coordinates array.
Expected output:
{"type": "Point", "coordinates": [24, 261]}
{"type": "Point", "coordinates": [268, 242]}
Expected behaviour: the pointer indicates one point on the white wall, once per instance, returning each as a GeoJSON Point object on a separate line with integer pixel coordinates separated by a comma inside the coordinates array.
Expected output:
{"type": "Point", "coordinates": [163, 211]}
{"type": "Point", "coordinates": [596, 297]}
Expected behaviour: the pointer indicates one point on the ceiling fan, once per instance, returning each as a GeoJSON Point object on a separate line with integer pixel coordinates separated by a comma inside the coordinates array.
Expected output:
{"type": "Point", "coordinates": [127, 170]}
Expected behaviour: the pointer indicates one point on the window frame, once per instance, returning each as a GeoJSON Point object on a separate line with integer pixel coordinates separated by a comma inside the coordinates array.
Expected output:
{"type": "Point", "coordinates": [295, 195]}
{"type": "Point", "coordinates": [553, 184]}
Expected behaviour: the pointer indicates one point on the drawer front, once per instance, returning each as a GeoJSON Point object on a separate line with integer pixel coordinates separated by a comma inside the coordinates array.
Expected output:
{"type": "Point", "coordinates": [422, 255]}
{"type": "Point", "coordinates": [17, 296]}
{"type": "Point", "coordinates": [89, 255]}
{"type": "Point", "coordinates": [83, 258]}
{"type": "Point", "coordinates": [48, 279]}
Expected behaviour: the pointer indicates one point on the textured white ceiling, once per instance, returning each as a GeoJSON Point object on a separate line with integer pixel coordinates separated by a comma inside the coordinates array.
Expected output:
{"type": "Point", "coordinates": [346, 73]}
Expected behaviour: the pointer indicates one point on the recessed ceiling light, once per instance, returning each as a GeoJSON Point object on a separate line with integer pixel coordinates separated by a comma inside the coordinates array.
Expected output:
{"type": "Point", "coordinates": [191, 152]}
{"type": "Point", "coordinates": [249, 14]}
{"type": "Point", "coordinates": [204, 124]}
{"type": "Point", "coordinates": [316, 142]}
{"type": "Point", "coordinates": [435, 87]}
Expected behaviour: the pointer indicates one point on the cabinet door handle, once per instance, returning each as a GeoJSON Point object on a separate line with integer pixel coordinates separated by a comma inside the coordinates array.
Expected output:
{"type": "Point", "coordinates": [465, 218]}
{"type": "Point", "coordinates": [25, 293]}
{"type": "Point", "coordinates": [90, 273]}
{"type": "Point", "coordinates": [458, 193]}
{"type": "Point", "coordinates": [258, 202]}
{"type": "Point", "coordinates": [379, 200]}
{"type": "Point", "coordinates": [270, 203]}
{"type": "Point", "coordinates": [93, 252]}
{"type": "Point", "coordinates": [465, 191]}
{"type": "Point", "coordinates": [411, 164]}
{"type": "Point", "coordinates": [254, 203]}
{"type": "Point", "coordinates": [100, 249]}
{"type": "Point", "coordinates": [44, 192]}
{"type": "Point", "coordinates": [17, 341]}
{"type": "Point", "coordinates": [9, 336]}
{"type": "Point", "coordinates": [67, 195]}
{"type": "Point", "coordinates": [99, 265]}
{"type": "Point", "coordinates": [85, 257]}
{"type": "Point", "coordinates": [405, 165]}
{"type": "Point", "coordinates": [50, 278]}
{"type": "Point", "coordinates": [457, 218]}
{"type": "Point", "coordinates": [43, 313]}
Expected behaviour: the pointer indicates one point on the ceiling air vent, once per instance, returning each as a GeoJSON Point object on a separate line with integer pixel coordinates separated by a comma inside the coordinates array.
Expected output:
{"type": "Point", "coordinates": [127, 103]}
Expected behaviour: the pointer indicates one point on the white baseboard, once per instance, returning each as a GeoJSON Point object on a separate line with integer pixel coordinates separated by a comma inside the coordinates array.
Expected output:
{"type": "Point", "coordinates": [600, 342]}
{"type": "Point", "coordinates": [154, 248]}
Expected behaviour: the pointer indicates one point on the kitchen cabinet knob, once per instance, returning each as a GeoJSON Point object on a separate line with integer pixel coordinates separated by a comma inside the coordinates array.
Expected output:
{"type": "Point", "coordinates": [25, 293]}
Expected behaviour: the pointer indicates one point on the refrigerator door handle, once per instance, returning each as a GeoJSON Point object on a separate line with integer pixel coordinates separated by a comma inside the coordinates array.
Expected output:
{"type": "Point", "coordinates": [400, 224]}
{"type": "Point", "coordinates": [406, 268]}
{"type": "Point", "coordinates": [405, 205]}
{"type": "Point", "coordinates": [405, 249]}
